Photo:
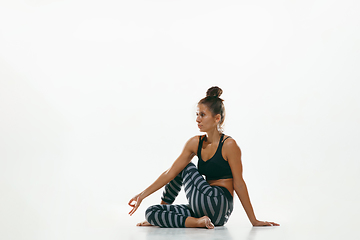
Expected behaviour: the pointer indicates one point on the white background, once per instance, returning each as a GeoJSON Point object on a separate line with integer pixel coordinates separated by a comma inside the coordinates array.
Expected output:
{"type": "Point", "coordinates": [97, 98]}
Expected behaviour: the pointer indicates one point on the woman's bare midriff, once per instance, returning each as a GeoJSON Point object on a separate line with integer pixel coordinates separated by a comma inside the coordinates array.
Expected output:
{"type": "Point", "coordinates": [226, 183]}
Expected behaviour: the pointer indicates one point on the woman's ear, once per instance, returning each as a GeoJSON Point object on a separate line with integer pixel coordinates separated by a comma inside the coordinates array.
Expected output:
{"type": "Point", "coordinates": [217, 118]}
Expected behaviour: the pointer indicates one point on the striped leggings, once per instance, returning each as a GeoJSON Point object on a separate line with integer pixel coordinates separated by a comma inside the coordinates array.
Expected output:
{"type": "Point", "coordinates": [204, 200]}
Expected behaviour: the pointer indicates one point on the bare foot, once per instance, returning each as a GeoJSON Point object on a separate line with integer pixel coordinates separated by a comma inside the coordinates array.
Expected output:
{"type": "Point", "coordinates": [205, 222]}
{"type": "Point", "coordinates": [143, 224]}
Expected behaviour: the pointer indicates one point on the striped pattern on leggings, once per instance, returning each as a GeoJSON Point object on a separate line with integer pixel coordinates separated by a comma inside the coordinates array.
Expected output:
{"type": "Point", "coordinates": [204, 200]}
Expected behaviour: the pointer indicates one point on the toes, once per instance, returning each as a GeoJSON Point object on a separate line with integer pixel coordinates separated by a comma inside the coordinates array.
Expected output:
{"type": "Point", "coordinates": [208, 223]}
{"type": "Point", "coordinates": [144, 223]}
{"type": "Point", "coordinates": [140, 224]}
{"type": "Point", "coordinates": [211, 225]}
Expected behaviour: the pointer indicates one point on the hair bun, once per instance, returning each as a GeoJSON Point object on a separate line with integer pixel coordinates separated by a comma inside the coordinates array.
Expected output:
{"type": "Point", "coordinates": [214, 92]}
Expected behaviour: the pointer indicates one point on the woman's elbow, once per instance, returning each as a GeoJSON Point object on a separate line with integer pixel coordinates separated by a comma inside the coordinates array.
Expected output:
{"type": "Point", "coordinates": [239, 183]}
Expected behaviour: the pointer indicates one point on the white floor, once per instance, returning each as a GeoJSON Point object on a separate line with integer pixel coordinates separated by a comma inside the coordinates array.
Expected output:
{"type": "Point", "coordinates": [239, 228]}
{"type": "Point", "coordinates": [231, 231]}
{"type": "Point", "coordinates": [77, 209]}
{"type": "Point", "coordinates": [112, 223]}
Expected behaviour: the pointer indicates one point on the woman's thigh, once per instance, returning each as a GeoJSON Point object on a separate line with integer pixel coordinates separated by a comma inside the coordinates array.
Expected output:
{"type": "Point", "coordinates": [205, 200]}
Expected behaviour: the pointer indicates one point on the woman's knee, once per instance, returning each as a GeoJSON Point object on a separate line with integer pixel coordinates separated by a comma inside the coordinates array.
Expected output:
{"type": "Point", "coordinates": [150, 210]}
{"type": "Point", "coordinates": [190, 166]}
{"type": "Point", "coordinates": [153, 208]}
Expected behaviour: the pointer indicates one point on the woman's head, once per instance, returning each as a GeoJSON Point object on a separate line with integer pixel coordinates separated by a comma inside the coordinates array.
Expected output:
{"type": "Point", "coordinates": [212, 105]}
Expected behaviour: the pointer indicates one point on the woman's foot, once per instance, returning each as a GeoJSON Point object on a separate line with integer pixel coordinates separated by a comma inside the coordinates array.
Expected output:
{"type": "Point", "coordinates": [143, 224]}
{"type": "Point", "coordinates": [202, 222]}
{"type": "Point", "coordinates": [205, 222]}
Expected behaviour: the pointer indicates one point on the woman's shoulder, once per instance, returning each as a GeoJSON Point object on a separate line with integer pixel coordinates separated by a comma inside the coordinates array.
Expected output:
{"type": "Point", "coordinates": [229, 142]}
{"type": "Point", "coordinates": [193, 143]}
{"type": "Point", "coordinates": [196, 138]}
{"type": "Point", "coordinates": [230, 147]}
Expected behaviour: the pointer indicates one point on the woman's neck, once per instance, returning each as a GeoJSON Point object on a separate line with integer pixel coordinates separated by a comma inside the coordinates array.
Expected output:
{"type": "Point", "coordinates": [213, 136]}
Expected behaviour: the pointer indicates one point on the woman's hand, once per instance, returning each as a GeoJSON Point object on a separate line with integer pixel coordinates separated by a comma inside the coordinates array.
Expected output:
{"type": "Point", "coordinates": [258, 223]}
{"type": "Point", "coordinates": [138, 198]}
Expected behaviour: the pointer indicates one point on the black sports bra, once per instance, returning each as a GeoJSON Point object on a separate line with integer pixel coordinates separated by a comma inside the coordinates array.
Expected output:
{"type": "Point", "coordinates": [216, 167]}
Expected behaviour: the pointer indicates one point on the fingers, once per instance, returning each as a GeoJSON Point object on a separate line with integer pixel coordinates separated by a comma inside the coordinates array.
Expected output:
{"type": "Point", "coordinates": [131, 200]}
{"type": "Point", "coordinates": [271, 224]}
{"type": "Point", "coordinates": [134, 205]}
{"type": "Point", "coordinates": [134, 209]}
{"type": "Point", "coordinates": [134, 199]}
{"type": "Point", "coordinates": [265, 223]}
{"type": "Point", "coordinates": [274, 224]}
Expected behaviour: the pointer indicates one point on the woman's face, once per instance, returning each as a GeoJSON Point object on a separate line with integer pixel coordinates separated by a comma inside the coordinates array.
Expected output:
{"type": "Point", "coordinates": [205, 119]}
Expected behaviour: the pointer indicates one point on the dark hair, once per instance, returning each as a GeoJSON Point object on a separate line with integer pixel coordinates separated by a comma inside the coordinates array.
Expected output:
{"type": "Point", "coordinates": [214, 103]}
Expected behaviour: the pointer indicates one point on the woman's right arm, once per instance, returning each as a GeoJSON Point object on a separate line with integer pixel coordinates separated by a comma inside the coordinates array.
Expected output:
{"type": "Point", "coordinates": [180, 163]}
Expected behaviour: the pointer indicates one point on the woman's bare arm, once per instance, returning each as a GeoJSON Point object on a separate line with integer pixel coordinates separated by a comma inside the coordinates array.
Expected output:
{"type": "Point", "coordinates": [180, 163]}
{"type": "Point", "coordinates": [233, 155]}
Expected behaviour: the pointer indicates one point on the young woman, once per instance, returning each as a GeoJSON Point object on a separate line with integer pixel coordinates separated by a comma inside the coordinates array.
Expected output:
{"type": "Point", "coordinates": [211, 200]}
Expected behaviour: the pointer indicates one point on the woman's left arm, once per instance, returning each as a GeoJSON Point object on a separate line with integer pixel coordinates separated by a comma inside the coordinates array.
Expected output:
{"type": "Point", "coordinates": [233, 156]}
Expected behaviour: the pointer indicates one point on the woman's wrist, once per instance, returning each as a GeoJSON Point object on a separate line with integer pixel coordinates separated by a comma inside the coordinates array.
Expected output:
{"type": "Point", "coordinates": [253, 221]}
{"type": "Point", "coordinates": [143, 195]}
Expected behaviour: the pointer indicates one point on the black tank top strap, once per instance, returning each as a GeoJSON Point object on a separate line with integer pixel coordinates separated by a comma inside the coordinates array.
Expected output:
{"type": "Point", "coordinates": [222, 141]}
{"type": "Point", "coordinates": [222, 137]}
{"type": "Point", "coordinates": [201, 139]}
{"type": "Point", "coordinates": [226, 138]}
